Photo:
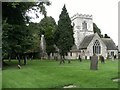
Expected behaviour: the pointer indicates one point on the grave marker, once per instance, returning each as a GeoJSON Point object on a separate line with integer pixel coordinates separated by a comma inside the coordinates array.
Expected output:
{"type": "Point", "coordinates": [94, 62]}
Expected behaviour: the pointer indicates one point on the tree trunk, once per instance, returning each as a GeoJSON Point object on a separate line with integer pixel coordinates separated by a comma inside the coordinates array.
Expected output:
{"type": "Point", "coordinates": [25, 60]}
{"type": "Point", "coordinates": [49, 56]}
{"type": "Point", "coordinates": [18, 58]}
{"type": "Point", "coordinates": [63, 57]}
{"type": "Point", "coordinates": [9, 58]}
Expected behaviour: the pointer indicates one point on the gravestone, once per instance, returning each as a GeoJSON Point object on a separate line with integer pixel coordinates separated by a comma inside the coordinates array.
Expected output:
{"type": "Point", "coordinates": [102, 59]}
{"type": "Point", "coordinates": [80, 58]}
{"type": "Point", "coordinates": [69, 61]}
{"type": "Point", "coordinates": [19, 66]}
{"type": "Point", "coordinates": [115, 56]}
{"type": "Point", "coordinates": [94, 62]}
{"type": "Point", "coordinates": [62, 61]}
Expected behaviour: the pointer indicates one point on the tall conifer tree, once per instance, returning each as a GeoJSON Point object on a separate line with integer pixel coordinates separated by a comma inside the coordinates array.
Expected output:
{"type": "Point", "coordinates": [64, 33]}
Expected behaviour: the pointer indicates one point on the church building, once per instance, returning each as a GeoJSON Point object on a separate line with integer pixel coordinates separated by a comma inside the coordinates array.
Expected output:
{"type": "Point", "coordinates": [87, 42]}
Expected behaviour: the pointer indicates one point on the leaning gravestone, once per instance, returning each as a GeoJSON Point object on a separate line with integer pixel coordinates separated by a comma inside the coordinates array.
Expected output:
{"type": "Point", "coordinates": [94, 62]}
{"type": "Point", "coordinates": [102, 59]}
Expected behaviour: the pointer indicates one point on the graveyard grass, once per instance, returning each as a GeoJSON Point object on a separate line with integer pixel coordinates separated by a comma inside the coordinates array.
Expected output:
{"type": "Point", "coordinates": [0, 79]}
{"type": "Point", "coordinates": [49, 74]}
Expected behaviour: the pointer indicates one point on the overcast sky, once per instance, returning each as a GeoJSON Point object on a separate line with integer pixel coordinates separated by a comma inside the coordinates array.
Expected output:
{"type": "Point", "coordinates": [105, 13]}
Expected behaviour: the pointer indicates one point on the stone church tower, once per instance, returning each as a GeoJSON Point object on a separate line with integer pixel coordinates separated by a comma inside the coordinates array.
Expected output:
{"type": "Point", "coordinates": [83, 26]}
{"type": "Point", "coordinates": [87, 42]}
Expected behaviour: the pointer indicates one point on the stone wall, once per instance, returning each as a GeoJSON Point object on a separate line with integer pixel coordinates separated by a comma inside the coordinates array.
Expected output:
{"type": "Point", "coordinates": [90, 47]}
{"type": "Point", "coordinates": [79, 33]}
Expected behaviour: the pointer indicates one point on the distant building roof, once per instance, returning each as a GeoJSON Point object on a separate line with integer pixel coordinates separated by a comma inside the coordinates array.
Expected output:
{"type": "Point", "coordinates": [86, 41]}
{"type": "Point", "coordinates": [74, 48]}
{"type": "Point", "coordinates": [77, 15]}
{"type": "Point", "coordinates": [109, 44]}
{"type": "Point", "coordinates": [84, 44]}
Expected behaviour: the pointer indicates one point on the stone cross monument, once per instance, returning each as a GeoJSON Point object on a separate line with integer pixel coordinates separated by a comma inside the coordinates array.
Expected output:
{"type": "Point", "coordinates": [43, 47]}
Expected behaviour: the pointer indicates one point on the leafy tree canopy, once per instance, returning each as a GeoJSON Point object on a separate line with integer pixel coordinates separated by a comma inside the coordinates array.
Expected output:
{"type": "Point", "coordinates": [48, 27]}
{"type": "Point", "coordinates": [97, 30]}
{"type": "Point", "coordinates": [17, 11]}
{"type": "Point", "coordinates": [17, 37]}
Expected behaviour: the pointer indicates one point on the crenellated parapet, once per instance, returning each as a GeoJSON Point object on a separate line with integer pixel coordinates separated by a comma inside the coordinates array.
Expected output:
{"type": "Point", "coordinates": [82, 16]}
{"type": "Point", "coordinates": [83, 26]}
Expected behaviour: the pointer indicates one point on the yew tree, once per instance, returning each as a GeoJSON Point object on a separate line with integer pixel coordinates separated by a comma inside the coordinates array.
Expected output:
{"type": "Point", "coordinates": [64, 34]}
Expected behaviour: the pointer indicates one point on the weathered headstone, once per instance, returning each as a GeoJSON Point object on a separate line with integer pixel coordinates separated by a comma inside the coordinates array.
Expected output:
{"type": "Point", "coordinates": [94, 62]}
{"type": "Point", "coordinates": [114, 56]}
{"type": "Point", "coordinates": [69, 61]}
{"type": "Point", "coordinates": [19, 66]}
{"type": "Point", "coordinates": [102, 59]}
{"type": "Point", "coordinates": [62, 61]}
{"type": "Point", "coordinates": [80, 58]}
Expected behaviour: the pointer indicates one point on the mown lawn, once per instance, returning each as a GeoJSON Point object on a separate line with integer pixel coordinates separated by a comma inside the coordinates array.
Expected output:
{"type": "Point", "coordinates": [49, 74]}
{"type": "Point", "coordinates": [0, 78]}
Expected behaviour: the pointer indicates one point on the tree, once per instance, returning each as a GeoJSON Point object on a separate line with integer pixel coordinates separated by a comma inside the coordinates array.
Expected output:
{"type": "Point", "coordinates": [34, 29]}
{"type": "Point", "coordinates": [64, 33]}
{"type": "Point", "coordinates": [48, 27]}
{"type": "Point", "coordinates": [17, 37]}
{"type": "Point", "coordinates": [97, 30]}
{"type": "Point", "coordinates": [17, 11]}
{"type": "Point", "coordinates": [5, 45]}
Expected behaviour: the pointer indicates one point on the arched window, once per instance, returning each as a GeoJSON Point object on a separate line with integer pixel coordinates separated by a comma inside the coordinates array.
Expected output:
{"type": "Point", "coordinates": [97, 47]}
{"type": "Point", "coordinates": [84, 25]}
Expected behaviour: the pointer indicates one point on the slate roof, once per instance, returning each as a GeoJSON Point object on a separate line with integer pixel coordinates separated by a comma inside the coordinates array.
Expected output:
{"type": "Point", "coordinates": [84, 44]}
{"type": "Point", "coordinates": [86, 41]}
{"type": "Point", "coordinates": [109, 44]}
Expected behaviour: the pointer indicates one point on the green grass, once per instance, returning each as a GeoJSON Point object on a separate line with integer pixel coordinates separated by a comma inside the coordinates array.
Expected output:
{"type": "Point", "coordinates": [49, 74]}
{"type": "Point", "coordinates": [0, 78]}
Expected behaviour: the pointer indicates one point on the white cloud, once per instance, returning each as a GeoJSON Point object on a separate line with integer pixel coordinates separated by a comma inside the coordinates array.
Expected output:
{"type": "Point", "coordinates": [105, 13]}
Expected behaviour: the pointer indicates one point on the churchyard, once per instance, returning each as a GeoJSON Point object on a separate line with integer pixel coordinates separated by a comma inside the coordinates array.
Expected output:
{"type": "Point", "coordinates": [0, 78]}
{"type": "Point", "coordinates": [69, 37]}
{"type": "Point", "coordinates": [51, 74]}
